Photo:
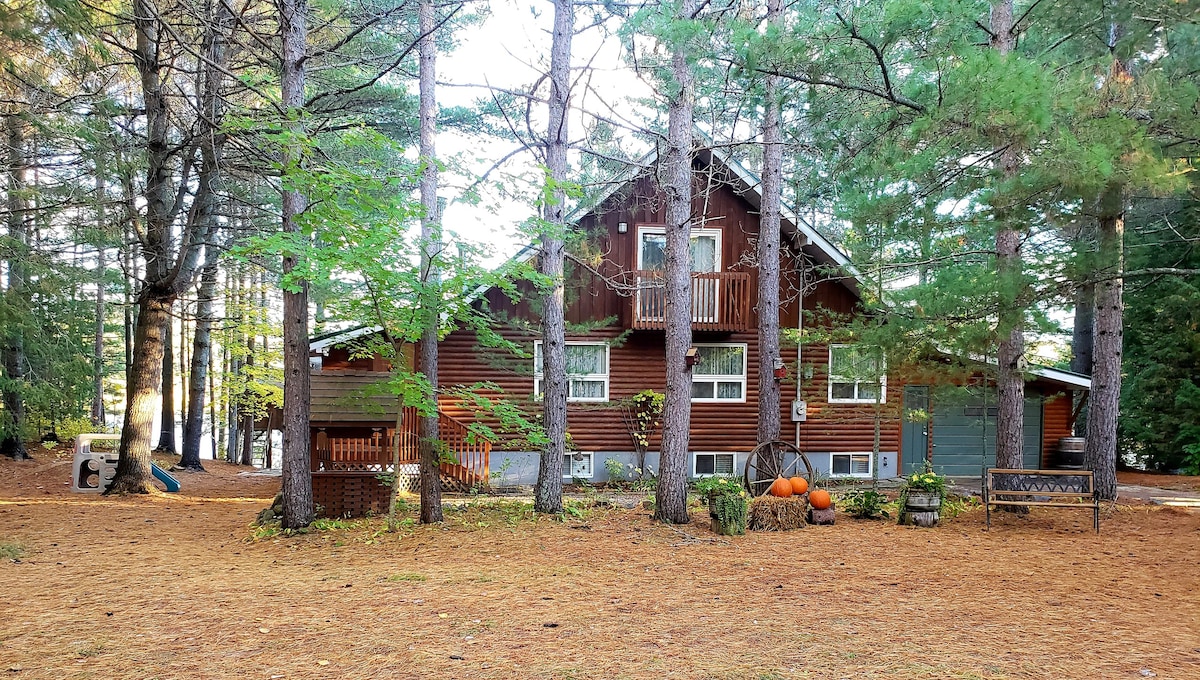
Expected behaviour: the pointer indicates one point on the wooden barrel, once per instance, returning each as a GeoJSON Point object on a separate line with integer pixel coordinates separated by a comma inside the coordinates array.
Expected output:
{"type": "Point", "coordinates": [917, 501]}
{"type": "Point", "coordinates": [1070, 453]}
{"type": "Point", "coordinates": [921, 508]}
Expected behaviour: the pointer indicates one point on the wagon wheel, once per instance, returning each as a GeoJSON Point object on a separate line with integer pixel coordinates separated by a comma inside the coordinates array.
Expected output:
{"type": "Point", "coordinates": [774, 459]}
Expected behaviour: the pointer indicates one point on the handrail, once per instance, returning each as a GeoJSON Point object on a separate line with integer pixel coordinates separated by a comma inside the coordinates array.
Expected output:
{"type": "Point", "coordinates": [720, 301]}
{"type": "Point", "coordinates": [471, 454]}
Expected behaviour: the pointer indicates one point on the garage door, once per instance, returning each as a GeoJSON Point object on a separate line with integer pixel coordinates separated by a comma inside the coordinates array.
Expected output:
{"type": "Point", "coordinates": [964, 436]}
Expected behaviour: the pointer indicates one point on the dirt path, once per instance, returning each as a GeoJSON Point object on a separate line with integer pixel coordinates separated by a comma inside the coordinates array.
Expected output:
{"type": "Point", "coordinates": [171, 586]}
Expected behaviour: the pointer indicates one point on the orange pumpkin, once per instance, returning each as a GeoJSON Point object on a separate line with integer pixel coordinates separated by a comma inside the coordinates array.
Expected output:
{"type": "Point", "coordinates": [780, 487]}
{"type": "Point", "coordinates": [799, 485]}
{"type": "Point", "coordinates": [820, 499]}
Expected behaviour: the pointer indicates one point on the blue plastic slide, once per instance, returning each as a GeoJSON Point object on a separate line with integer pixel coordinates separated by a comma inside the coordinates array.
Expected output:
{"type": "Point", "coordinates": [165, 477]}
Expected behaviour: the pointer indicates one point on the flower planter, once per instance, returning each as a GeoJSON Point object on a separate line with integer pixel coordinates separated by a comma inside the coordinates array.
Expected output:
{"type": "Point", "coordinates": [923, 501]}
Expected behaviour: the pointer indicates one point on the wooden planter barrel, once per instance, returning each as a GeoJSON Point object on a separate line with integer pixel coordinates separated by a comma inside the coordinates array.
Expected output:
{"type": "Point", "coordinates": [1070, 454]}
{"type": "Point", "coordinates": [921, 508]}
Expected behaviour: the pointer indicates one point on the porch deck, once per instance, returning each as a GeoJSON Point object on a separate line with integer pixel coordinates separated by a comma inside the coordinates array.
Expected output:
{"type": "Point", "coordinates": [345, 470]}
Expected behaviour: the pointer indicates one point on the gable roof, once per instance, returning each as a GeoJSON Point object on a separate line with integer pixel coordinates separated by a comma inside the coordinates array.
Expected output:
{"type": "Point", "coordinates": [747, 185]}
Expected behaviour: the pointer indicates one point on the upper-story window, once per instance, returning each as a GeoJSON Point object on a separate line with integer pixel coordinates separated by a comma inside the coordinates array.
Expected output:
{"type": "Point", "coordinates": [587, 371]}
{"type": "Point", "coordinates": [719, 373]}
{"type": "Point", "coordinates": [705, 256]}
{"type": "Point", "coordinates": [857, 374]}
{"type": "Point", "coordinates": [705, 249]}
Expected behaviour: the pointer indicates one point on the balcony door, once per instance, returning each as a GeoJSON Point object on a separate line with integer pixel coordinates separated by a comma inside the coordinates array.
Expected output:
{"type": "Point", "coordinates": [705, 256]}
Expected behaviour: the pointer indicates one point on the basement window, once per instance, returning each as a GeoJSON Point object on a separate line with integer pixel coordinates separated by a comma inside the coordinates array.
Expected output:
{"type": "Point", "coordinates": [577, 465]}
{"type": "Point", "coordinates": [850, 464]}
{"type": "Point", "coordinates": [708, 464]}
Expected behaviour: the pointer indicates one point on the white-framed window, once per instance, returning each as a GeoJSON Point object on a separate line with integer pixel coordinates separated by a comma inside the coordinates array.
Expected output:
{"type": "Point", "coordinates": [578, 465]}
{"type": "Point", "coordinates": [709, 464]}
{"type": "Point", "coordinates": [705, 258]}
{"type": "Point", "coordinates": [850, 465]}
{"type": "Point", "coordinates": [719, 373]}
{"type": "Point", "coordinates": [705, 249]}
{"type": "Point", "coordinates": [587, 371]}
{"type": "Point", "coordinates": [857, 375]}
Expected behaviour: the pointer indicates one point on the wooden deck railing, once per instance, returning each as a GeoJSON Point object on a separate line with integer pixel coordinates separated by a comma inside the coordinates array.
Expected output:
{"type": "Point", "coordinates": [375, 453]}
{"type": "Point", "coordinates": [720, 301]}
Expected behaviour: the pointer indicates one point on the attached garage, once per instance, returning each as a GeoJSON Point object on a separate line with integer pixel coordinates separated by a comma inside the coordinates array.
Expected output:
{"type": "Point", "coordinates": [958, 425]}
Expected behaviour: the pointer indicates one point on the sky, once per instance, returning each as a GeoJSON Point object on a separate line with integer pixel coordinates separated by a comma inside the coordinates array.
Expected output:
{"type": "Point", "coordinates": [510, 50]}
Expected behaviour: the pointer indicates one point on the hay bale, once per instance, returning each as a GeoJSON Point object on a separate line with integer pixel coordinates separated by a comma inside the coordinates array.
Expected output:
{"type": "Point", "coordinates": [770, 513]}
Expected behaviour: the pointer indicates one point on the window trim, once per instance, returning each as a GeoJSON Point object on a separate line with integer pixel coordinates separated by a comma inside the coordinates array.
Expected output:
{"type": "Point", "coordinates": [696, 455]}
{"type": "Point", "coordinates": [591, 455]}
{"type": "Point", "coordinates": [852, 475]}
{"type": "Point", "coordinates": [714, 378]}
{"type": "Point", "coordinates": [591, 377]}
{"type": "Point", "coordinates": [843, 380]}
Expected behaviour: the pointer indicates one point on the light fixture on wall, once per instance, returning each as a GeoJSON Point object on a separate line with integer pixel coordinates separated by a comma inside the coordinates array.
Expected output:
{"type": "Point", "coordinates": [622, 227]}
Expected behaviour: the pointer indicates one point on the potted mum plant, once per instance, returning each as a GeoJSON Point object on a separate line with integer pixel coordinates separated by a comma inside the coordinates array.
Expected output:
{"type": "Point", "coordinates": [728, 504]}
{"type": "Point", "coordinates": [923, 491]}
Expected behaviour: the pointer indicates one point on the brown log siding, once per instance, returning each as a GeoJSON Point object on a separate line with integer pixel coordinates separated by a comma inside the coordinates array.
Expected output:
{"type": "Point", "coordinates": [1056, 423]}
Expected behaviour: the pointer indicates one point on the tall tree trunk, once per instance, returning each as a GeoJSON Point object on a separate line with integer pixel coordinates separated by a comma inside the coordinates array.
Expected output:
{"type": "Point", "coordinates": [97, 413]}
{"type": "Point", "coordinates": [1081, 338]}
{"type": "Point", "coordinates": [193, 426]}
{"type": "Point", "coordinates": [12, 444]}
{"type": "Point", "coordinates": [166, 433]}
{"type": "Point", "coordinates": [128, 245]}
{"type": "Point", "coordinates": [297, 477]}
{"type": "Point", "coordinates": [250, 404]}
{"type": "Point", "coordinates": [431, 245]}
{"type": "Point", "coordinates": [233, 374]}
{"type": "Point", "coordinates": [170, 266]}
{"type": "Point", "coordinates": [133, 467]}
{"type": "Point", "coordinates": [548, 491]}
{"type": "Point", "coordinates": [1010, 377]}
{"type": "Point", "coordinates": [213, 425]}
{"type": "Point", "coordinates": [768, 251]}
{"type": "Point", "coordinates": [676, 173]}
{"type": "Point", "coordinates": [1104, 403]}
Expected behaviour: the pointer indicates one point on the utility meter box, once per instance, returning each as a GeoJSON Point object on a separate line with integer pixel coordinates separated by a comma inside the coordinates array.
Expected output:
{"type": "Point", "coordinates": [799, 411]}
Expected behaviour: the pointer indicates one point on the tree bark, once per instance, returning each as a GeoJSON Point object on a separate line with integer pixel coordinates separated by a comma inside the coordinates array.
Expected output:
{"type": "Point", "coordinates": [431, 245]}
{"type": "Point", "coordinates": [12, 444]}
{"type": "Point", "coordinates": [297, 477]}
{"type": "Point", "coordinates": [548, 491]}
{"type": "Point", "coordinates": [250, 405]}
{"type": "Point", "coordinates": [1104, 402]}
{"type": "Point", "coordinates": [1010, 377]}
{"type": "Point", "coordinates": [193, 426]}
{"type": "Point", "coordinates": [133, 467]}
{"type": "Point", "coordinates": [166, 433]}
{"type": "Point", "coordinates": [1081, 337]}
{"type": "Point", "coordinates": [769, 424]}
{"type": "Point", "coordinates": [97, 413]}
{"type": "Point", "coordinates": [233, 368]}
{"type": "Point", "coordinates": [676, 173]}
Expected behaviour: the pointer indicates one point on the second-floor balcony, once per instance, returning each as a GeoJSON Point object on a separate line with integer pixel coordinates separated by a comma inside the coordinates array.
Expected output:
{"type": "Point", "coordinates": [720, 301]}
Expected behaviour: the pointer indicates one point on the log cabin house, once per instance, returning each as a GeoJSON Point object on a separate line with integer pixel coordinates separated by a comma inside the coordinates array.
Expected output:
{"type": "Point", "coordinates": [831, 417]}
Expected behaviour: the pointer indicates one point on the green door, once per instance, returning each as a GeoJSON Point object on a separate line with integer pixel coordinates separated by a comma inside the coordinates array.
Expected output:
{"type": "Point", "coordinates": [964, 434]}
{"type": "Point", "coordinates": [914, 430]}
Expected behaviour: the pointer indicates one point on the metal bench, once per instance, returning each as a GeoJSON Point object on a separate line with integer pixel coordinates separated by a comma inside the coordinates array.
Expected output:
{"type": "Point", "coordinates": [1048, 488]}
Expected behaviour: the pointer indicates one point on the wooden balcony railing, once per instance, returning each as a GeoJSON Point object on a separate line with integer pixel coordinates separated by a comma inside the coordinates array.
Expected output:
{"type": "Point", "coordinates": [471, 456]}
{"type": "Point", "coordinates": [720, 301]}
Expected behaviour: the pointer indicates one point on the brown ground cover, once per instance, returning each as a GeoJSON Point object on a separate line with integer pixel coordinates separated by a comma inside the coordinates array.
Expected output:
{"type": "Point", "coordinates": [176, 586]}
{"type": "Point", "coordinates": [1173, 482]}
